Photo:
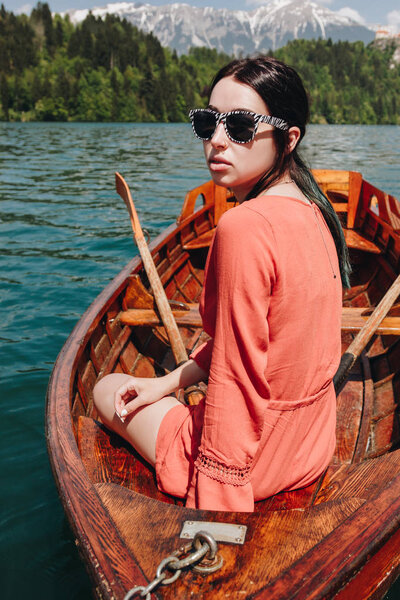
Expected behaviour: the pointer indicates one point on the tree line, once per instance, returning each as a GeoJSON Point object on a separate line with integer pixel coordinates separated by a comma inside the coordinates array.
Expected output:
{"type": "Point", "coordinates": [108, 70]}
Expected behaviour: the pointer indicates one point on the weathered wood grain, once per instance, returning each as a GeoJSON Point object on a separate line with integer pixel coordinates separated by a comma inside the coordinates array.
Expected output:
{"type": "Point", "coordinates": [272, 543]}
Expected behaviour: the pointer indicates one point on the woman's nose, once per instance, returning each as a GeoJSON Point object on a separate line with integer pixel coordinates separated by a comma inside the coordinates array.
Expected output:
{"type": "Point", "coordinates": [219, 138]}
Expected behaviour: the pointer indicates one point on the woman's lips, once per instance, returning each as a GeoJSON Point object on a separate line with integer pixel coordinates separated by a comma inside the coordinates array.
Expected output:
{"type": "Point", "coordinates": [217, 163]}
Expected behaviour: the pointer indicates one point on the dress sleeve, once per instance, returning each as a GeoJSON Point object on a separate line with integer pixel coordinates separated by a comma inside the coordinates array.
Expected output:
{"type": "Point", "coordinates": [244, 266]}
{"type": "Point", "coordinates": [202, 355]}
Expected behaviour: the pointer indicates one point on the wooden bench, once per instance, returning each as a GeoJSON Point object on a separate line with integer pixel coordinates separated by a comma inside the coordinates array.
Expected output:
{"type": "Point", "coordinates": [353, 239]}
{"type": "Point", "coordinates": [353, 319]}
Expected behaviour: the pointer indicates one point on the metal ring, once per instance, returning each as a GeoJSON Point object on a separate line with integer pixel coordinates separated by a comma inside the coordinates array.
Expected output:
{"type": "Point", "coordinates": [146, 235]}
{"type": "Point", "coordinates": [209, 566]}
{"type": "Point", "coordinates": [193, 558]}
{"type": "Point", "coordinates": [136, 590]}
{"type": "Point", "coordinates": [205, 537]}
{"type": "Point", "coordinates": [178, 304]}
{"type": "Point", "coordinates": [163, 564]}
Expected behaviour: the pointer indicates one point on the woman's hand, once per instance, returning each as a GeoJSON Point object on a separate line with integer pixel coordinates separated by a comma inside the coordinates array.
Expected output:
{"type": "Point", "coordinates": [140, 391]}
{"type": "Point", "coordinates": [137, 392]}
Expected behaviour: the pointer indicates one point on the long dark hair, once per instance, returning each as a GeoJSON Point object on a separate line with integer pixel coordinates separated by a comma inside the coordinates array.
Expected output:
{"type": "Point", "coordinates": [282, 90]}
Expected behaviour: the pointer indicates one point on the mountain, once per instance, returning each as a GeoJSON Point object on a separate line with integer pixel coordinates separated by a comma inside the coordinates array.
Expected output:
{"type": "Point", "coordinates": [271, 26]}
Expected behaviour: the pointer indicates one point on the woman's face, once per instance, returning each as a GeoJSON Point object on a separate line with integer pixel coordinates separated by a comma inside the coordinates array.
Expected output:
{"type": "Point", "coordinates": [233, 165]}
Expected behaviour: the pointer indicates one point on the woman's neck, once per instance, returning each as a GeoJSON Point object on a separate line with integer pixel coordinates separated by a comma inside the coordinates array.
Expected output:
{"type": "Point", "coordinates": [285, 187]}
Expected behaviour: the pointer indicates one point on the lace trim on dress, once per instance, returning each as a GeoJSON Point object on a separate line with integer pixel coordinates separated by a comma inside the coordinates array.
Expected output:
{"type": "Point", "coordinates": [222, 473]}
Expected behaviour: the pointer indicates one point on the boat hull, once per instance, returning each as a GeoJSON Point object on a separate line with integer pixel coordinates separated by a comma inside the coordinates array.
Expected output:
{"type": "Point", "coordinates": [339, 535]}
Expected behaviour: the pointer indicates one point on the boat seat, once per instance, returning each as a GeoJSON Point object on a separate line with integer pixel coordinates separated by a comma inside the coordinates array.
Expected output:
{"type": "Point", "coordinates": [353, 319]}
{"type": "Point", "coordinates": [353, 239]}
{"type": "Point", "coordinates": [202, 241]}
{"type": "Point", "coordinates": [357, 241]}
{"type": "Point", "coordinates": [362, 480]}
{"type": "Point", "coordinates": [110, 459]}
{"type": "Point", "coordinates": [147, 316]}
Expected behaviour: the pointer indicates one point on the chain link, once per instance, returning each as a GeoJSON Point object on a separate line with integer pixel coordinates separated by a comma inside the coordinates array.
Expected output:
{"type": "Point", "coordinates": [203, 545]}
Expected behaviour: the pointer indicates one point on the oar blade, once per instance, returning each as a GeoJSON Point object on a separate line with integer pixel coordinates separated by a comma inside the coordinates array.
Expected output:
{"type": "Point", "coordinates": [123, 190]}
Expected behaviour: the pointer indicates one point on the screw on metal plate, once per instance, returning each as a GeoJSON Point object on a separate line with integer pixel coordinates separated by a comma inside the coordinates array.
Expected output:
{"type": "Point", "coordinates": [221, 532]}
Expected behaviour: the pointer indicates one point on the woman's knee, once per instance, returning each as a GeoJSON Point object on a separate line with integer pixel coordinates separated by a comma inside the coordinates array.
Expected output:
{"type": "Point", "coordinates": [104, 391]}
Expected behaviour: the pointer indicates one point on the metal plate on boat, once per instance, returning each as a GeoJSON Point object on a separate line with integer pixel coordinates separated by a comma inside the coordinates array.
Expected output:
{"type": "Point", "coordinates": [221, 532]}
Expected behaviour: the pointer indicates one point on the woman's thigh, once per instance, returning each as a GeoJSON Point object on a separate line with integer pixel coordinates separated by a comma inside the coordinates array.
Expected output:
{"type": "Point", "coordinates": [141, 428]}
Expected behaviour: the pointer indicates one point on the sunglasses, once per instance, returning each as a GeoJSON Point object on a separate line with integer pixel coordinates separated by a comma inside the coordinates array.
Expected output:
{"type": "Point", "coordinates": [240, 125]}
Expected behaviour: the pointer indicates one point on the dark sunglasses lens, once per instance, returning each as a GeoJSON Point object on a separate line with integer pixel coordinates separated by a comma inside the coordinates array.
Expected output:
{"type": "Point", "coordinates": [240, 127]}
{"type": "Point", "coordinates": [204, 124]}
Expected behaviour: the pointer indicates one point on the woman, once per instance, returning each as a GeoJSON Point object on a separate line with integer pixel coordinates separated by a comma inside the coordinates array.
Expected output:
{"type": "Point", "coordinates": [271, 304]}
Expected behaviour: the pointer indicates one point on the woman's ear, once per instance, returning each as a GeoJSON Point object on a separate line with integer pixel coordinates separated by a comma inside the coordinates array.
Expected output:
{"type": "Point", "coordinates": [294, 136]}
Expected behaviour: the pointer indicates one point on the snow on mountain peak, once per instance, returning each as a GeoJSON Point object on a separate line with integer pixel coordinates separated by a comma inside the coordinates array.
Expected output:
{"type": "Point", "coordinates": [270, 25]}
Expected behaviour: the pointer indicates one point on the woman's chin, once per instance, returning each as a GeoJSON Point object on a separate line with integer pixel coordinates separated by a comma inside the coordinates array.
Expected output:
{"type": "Point", "coordinates": [220, 178]}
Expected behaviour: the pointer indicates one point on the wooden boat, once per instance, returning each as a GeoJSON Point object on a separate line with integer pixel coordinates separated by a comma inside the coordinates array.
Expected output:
{"type": "Point", "coordinates": [338, 538]}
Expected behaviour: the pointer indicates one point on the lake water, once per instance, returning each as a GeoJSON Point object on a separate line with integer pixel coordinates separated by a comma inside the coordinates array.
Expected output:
{"type": "Point", "coordinates": [64, 234]}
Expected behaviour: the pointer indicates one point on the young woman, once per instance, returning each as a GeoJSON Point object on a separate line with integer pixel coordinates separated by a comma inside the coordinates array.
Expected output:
{"type": "Point", "coordinates": [271, 304]}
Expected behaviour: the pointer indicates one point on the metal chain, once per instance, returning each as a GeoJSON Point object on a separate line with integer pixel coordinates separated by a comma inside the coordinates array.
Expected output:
{"type": "Point", "coordinates": [203, 545]}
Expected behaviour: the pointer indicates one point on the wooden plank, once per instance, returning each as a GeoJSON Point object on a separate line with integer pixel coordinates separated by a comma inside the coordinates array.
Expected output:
{"type": "Point", "coordinates": [353, 319]}
{"type": "Point", "coordinates": [339, 207]}
{"type": "Point", "coordinates": [202, 241]}
{"type": "Point", "coordinates": [353, 239]}
{"type": "Point", "coordinates": [349, 408]}
{"type": "Point", "coordinates": [173, 268]}
{"type": "Point", "coordinates": [329, 179]}
{"type": "Point", "coordinates": [273, 543]}
{"type": "Point", "coordinates": [136, 295]}
{"type": "Point", "coordinates": [363, 480]}
{"type": "Point", "coordinates": [343, 553]}
{"type": "Point", "coordinates": [385, 434]}
{"type": "Point", "coordinates": [205, 191]}
{"type": "Point", "coordinates": [358, 242]}
{"type": "Point", "coordinates": [368, 402]}
{"type": "Point", "coordinates": [148, 317]}
{"type": "Point", "coordinates": [299, 498]}
{"type": "Point", "coordinates": [114, 354]}
{"type": "Point", "coordinates": [355, 183]}
{"type": "Point", "coordinates": [110, 459]}
{"type": "Point", "coordinates": [367, 584]}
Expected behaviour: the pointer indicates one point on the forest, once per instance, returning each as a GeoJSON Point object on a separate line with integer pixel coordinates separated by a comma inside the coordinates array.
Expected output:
{"type": "Point", "coordinates": [108, 70]}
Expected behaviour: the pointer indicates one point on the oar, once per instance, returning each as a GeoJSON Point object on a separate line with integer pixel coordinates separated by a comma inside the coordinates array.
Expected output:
{"type": "Point", "coordinates": [161, 299]}
{"type": "Point", "coordinates": [365, 334]}
{"type": "Point", "coordinates": [194, 394]}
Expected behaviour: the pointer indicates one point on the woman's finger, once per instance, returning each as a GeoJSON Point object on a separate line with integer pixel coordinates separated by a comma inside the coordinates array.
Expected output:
{"type": "Point", "coordinates": [132, 406]}
{"type": "Point", "coordinates": [122, 395]}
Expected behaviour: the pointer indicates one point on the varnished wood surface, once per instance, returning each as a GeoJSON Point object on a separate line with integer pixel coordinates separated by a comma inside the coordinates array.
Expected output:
{"type": "Point", "coordinates": [274, 543]}
{"type": "Point", "coordinates": [329, 540]}
{"type": "Point", "coordinates": [359, 242]}
{"type": "Point", "coordinates": [353, 319]}
{"type": "Point", "coordinates": [142, 316]}
{"type": "Point", "coordinates": [203, 241]}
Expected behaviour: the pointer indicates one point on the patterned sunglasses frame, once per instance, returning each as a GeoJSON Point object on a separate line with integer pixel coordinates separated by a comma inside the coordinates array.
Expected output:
{"type": "Point", "coordinates": [221, 118]}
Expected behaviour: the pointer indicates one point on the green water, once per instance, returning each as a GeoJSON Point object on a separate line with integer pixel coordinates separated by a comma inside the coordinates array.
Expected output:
{"type": "Point", "coordinates": [64, 235]}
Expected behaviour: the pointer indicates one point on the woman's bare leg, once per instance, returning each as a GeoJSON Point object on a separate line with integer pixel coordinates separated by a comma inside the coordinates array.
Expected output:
{"type": "Point", "coordinates": [141, 428]}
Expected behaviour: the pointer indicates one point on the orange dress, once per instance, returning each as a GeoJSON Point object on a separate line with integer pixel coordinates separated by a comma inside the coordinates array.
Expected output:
{"type": "Point", "coordinates": [271, 304]}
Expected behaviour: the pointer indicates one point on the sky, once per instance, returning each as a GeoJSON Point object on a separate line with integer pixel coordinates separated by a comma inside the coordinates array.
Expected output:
{"type": "Point", "coordinates": [384, 12]}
